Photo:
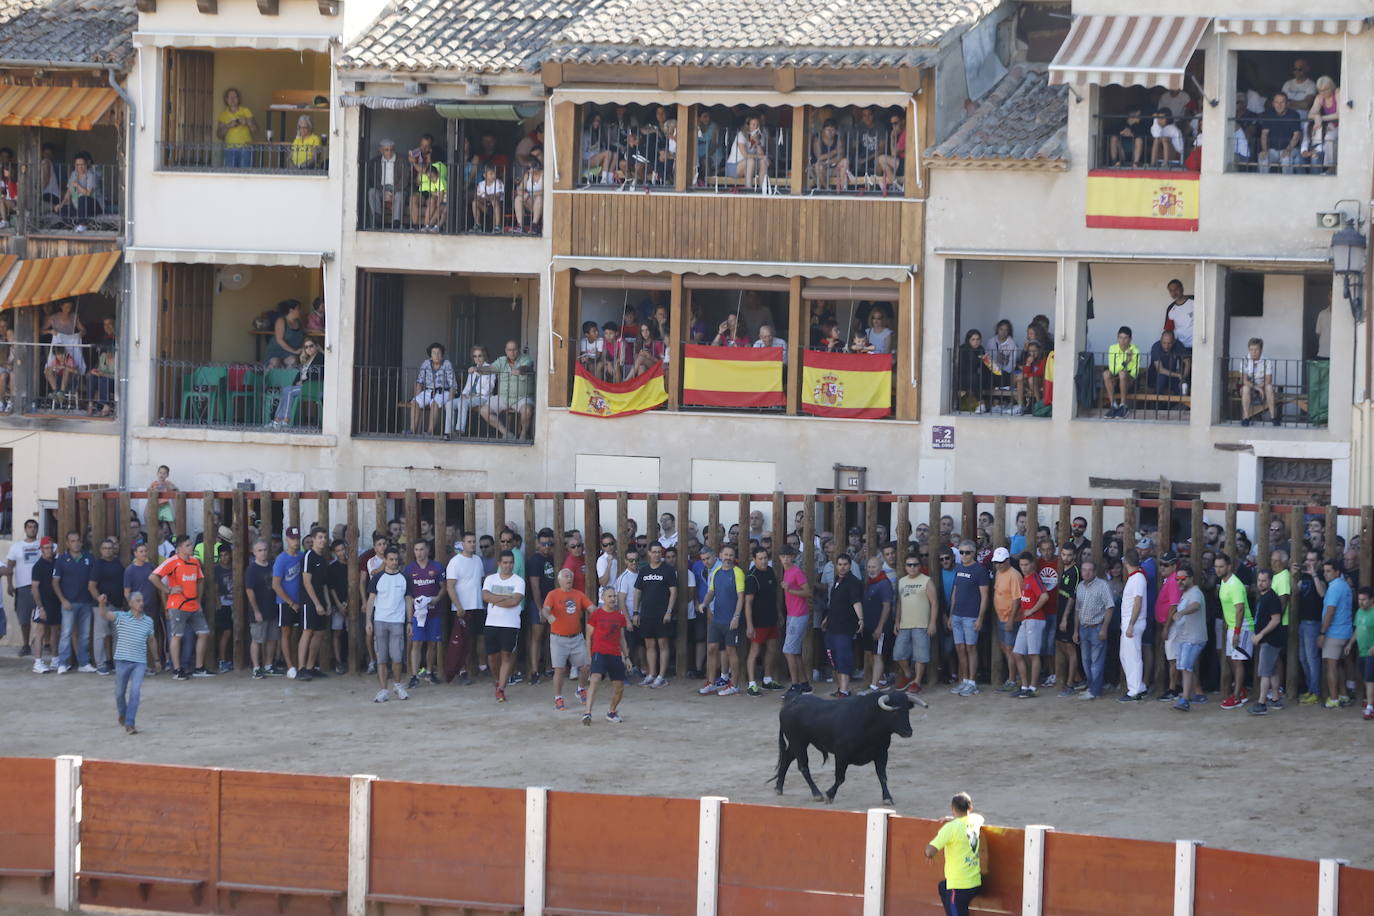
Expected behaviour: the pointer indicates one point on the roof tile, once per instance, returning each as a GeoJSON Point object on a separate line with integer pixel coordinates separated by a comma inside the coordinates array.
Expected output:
{"type": "Point", "coordinates": [1022, 119]}
{"type": "Point", "coordinates": [95, 31]}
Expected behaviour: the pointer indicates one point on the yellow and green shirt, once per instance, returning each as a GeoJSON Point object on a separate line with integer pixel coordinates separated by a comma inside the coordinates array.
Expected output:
{"type": "Point", "coordinates": [960, 838]}
{"type": "Point", "coordinates": [1127, 360]}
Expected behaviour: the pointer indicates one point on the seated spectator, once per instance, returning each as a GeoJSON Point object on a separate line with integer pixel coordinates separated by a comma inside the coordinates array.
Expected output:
{"type": "Point", "coordinates": [879, 333]}
{"type": "Point", "coordinates": [514, 390]}
{"type": "Point", "coordinates": [972, 373]}
{"type": "Point", "coordinates": [235, 128]}
{"type": "Point", "coordinates": [524, 150]}
{"type": "Point", "coordinates": [307, 149]}
{"type": "Point", "coordinates": [1123, 365]}
{"type": "Point", "coordinates": [1128, 133]}
{"type": "Point", "coordinates": [730, 333]}
{"type": "Point", "coordinates": [748, 158]}
{"type": "Point", "coordinates": [598, 160]}
{"type": "Point", "coordinates": [388, 185]}
{"type": "Point", "coordinates": [476, 394]}
{"type": "Point", "coordinates": [488, 201]}
{"type": "Point", "coordinates": [629, 325]}
{"type": "Point", "coordinates": [433, 197]}
{"type": "Point", "coordinates": [830, 339]}
{"type": "Point", "coordinates": [311, 369]}
{"type": "Point", "coordinates": [829, 166]}
{"type": "Point", "coordinates": [1280, 136]}
{"type": "Point", "coordinates": [529, 196]}
{"type": "Point", "coordinates": [434, 386]}
{"type": "Point", "coordinates": [1325, 117]}
{"type": "Point", "coordinates": [648, 349]}
{"type": "Point", "coordinates": [890, 163]}
{"type": "Point", "coordinates": [1004, 351]}
{"type": "Point", "coordinates": [1166, 146]}
{"type": "Point", "coordinates": [1170, 365]}
{"type": "Point", "coordinates": [422, 159]}
{"type": "Point", "coordinates": [81, 200]}
{"type": "Point", "coordinates": [709, 152]}
{"type": "Point", "coordinates": [608, 363]}
{"type": "Point", "coordinates": [767, 339]}
{"type": "Point", "coordinates": [699, 332]}
{"type": "Point", "coordinates": [288, 335]}
{"type": "Point", "coordinates": [1044, 336]}
{"type": "Point", "coordinates": [859, 342]}
{"type": "Point", "coordinates": [589, 348]}
{"type": "Point", "coordinates": [1244, 136]}
{"type": "Point", "coordinates": [1257, 381]}
{"type": "Point", "coordinates": [634, 159]}
{"type": "Point", "coordinates": [66, 363]}
{"type": "Point", "coordinates": [1030, 379]}
{"type": "Point", "coordinates": [102, 377]}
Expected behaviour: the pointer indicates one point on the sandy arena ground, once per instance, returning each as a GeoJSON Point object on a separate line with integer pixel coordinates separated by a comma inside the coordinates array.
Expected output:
{"type": "Point", "coordinates": [1294, 783]}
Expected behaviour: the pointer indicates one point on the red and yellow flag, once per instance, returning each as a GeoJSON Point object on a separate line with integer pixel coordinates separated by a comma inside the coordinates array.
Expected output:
{"type": "Point", "coordinates": [732, 376]}
{"type": "Point", "coordinates": [595, 398]}
{"type": "Point", "coordinates": [847, 384]}
{"type": "Point", "coordinates": [1142, 200]}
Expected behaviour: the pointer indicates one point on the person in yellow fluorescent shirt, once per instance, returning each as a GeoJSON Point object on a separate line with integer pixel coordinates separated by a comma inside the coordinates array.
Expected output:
{"type": "Point", "coordinates": [965, 857]}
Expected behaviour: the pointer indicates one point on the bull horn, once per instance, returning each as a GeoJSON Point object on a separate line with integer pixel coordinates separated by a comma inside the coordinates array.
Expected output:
{"type": "Point", "coordinates": [884, 704]}
{"type": "Point", "coordinates": [920, 702]}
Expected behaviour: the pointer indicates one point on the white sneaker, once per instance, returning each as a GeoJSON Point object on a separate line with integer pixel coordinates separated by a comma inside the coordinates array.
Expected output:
{"type": "Point", "coordinates": [39, 667]}
{"type": "Point", "coordinates": [710, 688]}
{"type": "Point", "coordinates": [728, 691]}
{"type": "Point", "coordinates": [400, 692]}
{"type": "Point", "coordinates": [381, 697]}
{"type": "Point", "coordinates": [659, 681]}
{"type": "Point", "coordinates": [1017, 410]}
{"type": "Point", "coordinates": [981, 408]}
{"type": "Point", "coordinates": [63, 669]}
{"type": "Point", "coordinates": [1049, 681]}
{"type": "Point", "coordinates": [291, 673]}
{"type": "Point", "coordinates": [88, 668]}
{"type": "Point", "coordinates": [647, 682]}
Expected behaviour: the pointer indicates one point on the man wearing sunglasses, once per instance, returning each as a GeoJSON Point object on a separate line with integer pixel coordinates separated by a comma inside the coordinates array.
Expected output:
{"type": "Point", "coordinates": [576, 560]}
{"type": "Point", "coordinates": [968, 610]}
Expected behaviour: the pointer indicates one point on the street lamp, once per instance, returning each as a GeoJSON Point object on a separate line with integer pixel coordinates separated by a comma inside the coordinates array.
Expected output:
{"type": "Point", "coordinates": [1347, 262]}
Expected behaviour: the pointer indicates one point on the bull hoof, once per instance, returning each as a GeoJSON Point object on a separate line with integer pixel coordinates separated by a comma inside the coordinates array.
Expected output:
{"type": "Point", "coordinates": [830, 799]}
{"type": "Point", "coordinates": [887, 801]}
{"type": "Point", "coordinates": [777, 791]}
{"type": "Point", "coordinates": [816, 796]}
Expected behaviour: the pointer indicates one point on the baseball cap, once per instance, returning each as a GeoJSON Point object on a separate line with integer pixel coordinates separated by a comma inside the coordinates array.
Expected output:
{"type": "Point", "coordinates": [1144, 544]}
{"type": "Point", "coordinates": [225, 533]}
{"type": "Point", "coordinates": [1169, 558]}
{"type": "Point", "coordinates": [1000, 554]}
{"type": "Point", "coordinates": [47, 542]}
{"type": "Point", "coordinates": [293, 532]}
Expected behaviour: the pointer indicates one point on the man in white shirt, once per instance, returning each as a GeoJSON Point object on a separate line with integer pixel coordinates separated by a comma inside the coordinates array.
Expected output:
{"type": "Point", "coordinates": [1167, 145]}
{"type": "Point", "coordinates": [504, 593]}
{"type": "Point", "coordinates": [1300, 87]}
{"type": "Point", "coordinates": [386, 623]}
{"type": "Point", "coordinates": [1133, 618]}
{"type": "Point", "coordinates": [607, 566]}
{"type": "Point", "coordinates": [624, 586]}
{"type": "Point", "coordinates": [19, 570]}
{"type": "Point", "coordinates": [463, 581]}
{"type": "Point", "coordinates": [1178, 314]}
{"type": "Point", "coordinates": [768, 339]}
{"type": "Point", "coordinates": [667, 526]}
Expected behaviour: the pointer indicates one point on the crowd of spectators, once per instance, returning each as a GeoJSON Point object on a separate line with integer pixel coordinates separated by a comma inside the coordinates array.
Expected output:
{"type": "Point", "coordinates": [502, 388]}
{"type": "Point", "coordinates": [78, 364]}
{"type": "Point", "coordinates": [1079, 618]}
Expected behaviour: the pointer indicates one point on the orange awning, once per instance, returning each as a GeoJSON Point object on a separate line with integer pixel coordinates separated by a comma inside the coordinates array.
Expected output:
{"type": "Point", "coordinates": [40, 280]}
{"type": "Point", "coordinates": [61, 107]}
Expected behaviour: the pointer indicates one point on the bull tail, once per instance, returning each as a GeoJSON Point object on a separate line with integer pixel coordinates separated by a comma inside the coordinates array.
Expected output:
{"type": "Point", "coordinates": [782, 755]}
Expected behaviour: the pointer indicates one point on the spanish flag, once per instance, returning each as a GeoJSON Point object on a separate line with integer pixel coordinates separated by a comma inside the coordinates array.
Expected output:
{"type": "Point", "coordinates": [732, 376]}
{"type": "Point", "coordinates": [595, 398]}
{"type": "Point", "coordinates": [1147, 199]}
{"type": "Point", "coordinates": [847, 384]}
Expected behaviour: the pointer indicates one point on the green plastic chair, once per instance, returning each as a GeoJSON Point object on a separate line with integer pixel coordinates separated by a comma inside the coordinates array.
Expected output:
{"type": "Point", "coordinates": [312, 392]}
{"type": "Point", "coordinates": [273, 381]}
{"type": "Point", "coordinates": [204, 388]}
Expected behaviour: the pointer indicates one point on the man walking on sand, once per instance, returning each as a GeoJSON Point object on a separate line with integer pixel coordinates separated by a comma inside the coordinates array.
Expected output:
{"type": "Point", "coordinates": [386, 623]}
{"type": "Point", "coordinates": [606, 636]}
{"type": "Point", "coordinates": [565, 609]}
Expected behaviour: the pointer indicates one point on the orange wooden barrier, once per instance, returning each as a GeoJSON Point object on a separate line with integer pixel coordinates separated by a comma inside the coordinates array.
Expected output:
{"type": "Point", "coordinates": [282, 835]}
{"type": "Point", "coordinates": [26, 837]}
{"type": "Point", "coordinates": [1356, 891]}
{"type": "Point", "coordinates": [1091, 875]}
{"type": "Point", "coordinates": [804, 861]}
{"type": "Point", "coordinates": [1233, 883]}
{"type": "Point", "coordinates": [449, 846]}
{"type": "Point", "coordinates": [621, 854]}
{"type": "Point", "coordinates": [912, 881]}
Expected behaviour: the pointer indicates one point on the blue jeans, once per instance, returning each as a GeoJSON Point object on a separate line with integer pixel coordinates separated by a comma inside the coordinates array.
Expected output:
{"type": "Point", "coordinates": [238, 157]}
{"type": "Point", "coordinates": [78, 618]}
{"type": "Point", "coordinates": [1310, 655]}
{"type": "Point", "coordinates": [128, 680]}
{"type": "Point", "coordinates": [289, 394]}
{"type": "Point", "coordinates": [1094, 650]}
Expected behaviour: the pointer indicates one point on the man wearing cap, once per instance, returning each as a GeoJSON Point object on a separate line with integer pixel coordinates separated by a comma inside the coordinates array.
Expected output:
{"type": "Point", "coordinates": [286, 582]}
{"type": "Point", "coordinates": [1006, 600]}
{"type": "Point", "coordinates": [1145, 547]}
{"type": "Point", "coordinates": [223, 535]}
{"type": "Point", "coordinates": [1165, 608]}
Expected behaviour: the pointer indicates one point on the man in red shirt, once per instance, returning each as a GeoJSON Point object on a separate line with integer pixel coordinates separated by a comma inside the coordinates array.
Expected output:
{"type": "Point", "coordinates": [606, 636]}
{"type": "Point", "coordinates": [178, 578]}
{"type": "Point", "coordinates": [1031, 633]}
{"type": "Point", "coordinates": [576, 560]}
{"type": "Point", "coordinates": [1047, 569]}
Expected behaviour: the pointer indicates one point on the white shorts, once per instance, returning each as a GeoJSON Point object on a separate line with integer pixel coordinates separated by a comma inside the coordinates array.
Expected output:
{"type": "Point", "coordinates": [1246, 644]}
{"type": "Point", "coordinates": [499, 404]}
{"type": "Point", "coordinates": [438, 397]}
{"type": "Point", "coordinates": [568, 650]}
{"type": "Point", "coordinates": [336, 621]}
{"type": "Point", "coordinates": [1171, 645]}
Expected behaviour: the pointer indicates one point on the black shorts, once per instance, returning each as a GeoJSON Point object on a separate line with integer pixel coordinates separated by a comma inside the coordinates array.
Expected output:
{"type": "Point", "coordinates": [633, 639]}
{"type": "Point", "coordinates": [314, 618]}
{"type": "Point", "coordinates": [477, 621]}
{"type": "Point", "coordinates": [651, 626]}
{"type": "Point", "coordinates": [287, 616]}
{"type": "Point", "coordinates": [611, 667]}
{"type": "Point", "coordinates": [500, 639]}
{"type": "Point", "coordinates": [48, 616]}
{"type": "Point", "coordinates": [224, 618]}
{"type": "Point", "coordinates": [696, 629]}
{"type": "Point", "coordinates": [531, 616]}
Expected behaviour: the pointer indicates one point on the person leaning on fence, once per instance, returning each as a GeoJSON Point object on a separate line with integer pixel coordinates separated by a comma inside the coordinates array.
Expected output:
{"type": "Point", "coordinates": [966, 859]}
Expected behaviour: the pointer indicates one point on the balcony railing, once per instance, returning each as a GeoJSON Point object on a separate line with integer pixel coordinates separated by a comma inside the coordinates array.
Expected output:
{"type": "Point", "coordinates": [1122, 141]}
{"type": "Point", "coordinates": [628, 157]}
{"type": "Point", "coordinates": [1313, 154]}
{"type": "Point", "coordinates": [853, 160]}
{"type": "Point", "coordinates": [1278, 392]}
{"type": "Point", "coordinates": [69, 381]}
{"type": "Point", "coordinates": [386, 405]}
{"type": "Point", "coordinates": [1151, 392]}
{"type": "Point", "coordinates": [460, 200]}
{"type": "Point", "coordinates": [253, 158]}
{"type": "Point", "coordinates": [979, 386]}
{"type": "Point", "coordinates": [761, 165]}
{"type": "Point", "coordinates": [57, 197]}
{"type": "Point", "coordinates": [237, 396]}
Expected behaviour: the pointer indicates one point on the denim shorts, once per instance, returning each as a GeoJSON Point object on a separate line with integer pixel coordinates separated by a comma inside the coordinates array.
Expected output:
{"type": "Point", "coordinates": [1367, 668]}
{"type": "Point", "coordinates": [912, 645]}
{"type": "Point", "coordinates": [1188, 653]}
{"type": "Point", "coordinates": [795, 637]}
{"type": "Point", "coordinates": [964, 633]}
{"type": "Point", "coordinates": [1007, 633]}
{"type": "Point", "coordinates": [1047, 638]}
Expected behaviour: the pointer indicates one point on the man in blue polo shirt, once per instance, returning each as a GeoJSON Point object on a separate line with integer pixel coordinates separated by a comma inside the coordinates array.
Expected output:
{"type": "Point", "coordinates": [1280, 136]}
{"type": "Point", "coordinates": [72, 579]}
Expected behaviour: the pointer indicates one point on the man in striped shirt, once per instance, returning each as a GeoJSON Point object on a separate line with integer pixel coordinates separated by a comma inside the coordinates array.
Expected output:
{"type": "Point", "coordinates": [134, 639]}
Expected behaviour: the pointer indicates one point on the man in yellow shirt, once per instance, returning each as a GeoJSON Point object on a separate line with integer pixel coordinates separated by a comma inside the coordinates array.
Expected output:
{"type": "Point", "coordinates": [1123, 365]}
{"type": "Point", "coordinates": [961, 839]}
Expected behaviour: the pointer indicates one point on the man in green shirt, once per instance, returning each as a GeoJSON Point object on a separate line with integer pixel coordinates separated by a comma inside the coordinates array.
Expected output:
{"type": "Point", "coordinates": [961, 839]}
{"type": "Point", "coordinates": [1240, 628]}
{"type": "Point", "coordinates": [514, 390]}
{"type": "Point", "coordinates": [1123, 365]}
{"type": "Point", "coordinates": [1364, 638]}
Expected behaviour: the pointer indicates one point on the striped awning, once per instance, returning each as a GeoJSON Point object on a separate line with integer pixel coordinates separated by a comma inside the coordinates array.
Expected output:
{"type": "Point", "coordinates": [258, 42]}
{"type": "Point", "coordinates": [57, 107]}
{"type": "Point", "coordinates": [39, 280]}
{"type": "Point", "coordinates": [1316, 25]}
{"type": "Point", "coordinates": [1128, 50]}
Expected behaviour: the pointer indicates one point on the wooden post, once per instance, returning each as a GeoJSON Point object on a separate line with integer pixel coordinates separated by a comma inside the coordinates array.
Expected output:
{"type": "Point", "coordinates": [1262, 539]}
{"type": "Point", "coordinates": [357, 627]}
{"type": "Point", "coordinates": [778, 529]}
{"type": "Point", "coordinates": [66, 513]}
{"type": "Point", "coordinates": [1128, 536]}
{"type": "Point", "coordinates": [651, 531]}
{"type": "Point", "coordinates": [686, 154]}
{"type": "Point", "coordinates": [1099, 545]}
{"type": "Point", "coordinates": [968, 517]}
{"type": "Point", "coordinates": [713, 538]}
{"type": "Point", "coordinates": [871, 546]}
{"type": "Point", "coordinates": [591, 522]}
{"type": "Point", "coordinates": [935, 538]}
{"type": "Point", "coordinates": [1032, 523]}
{"type": "Point", "coordinates": [238, 650]}
{"type": "Point", "coordinates": [1195, 536]}
{"type": "Point", "coordinates": [685, 660]}
{"type": "Point", "coordinates": [797, 327]}
{"type": "Point", "coordinates": [97, 512]}
{"type": "Point", "coordinates": [678, 309]}
{"type": "Point", "coordinates": [179, 517]}
{"type": "Point", "coordinates": [294, 512]}
{"type": "Point", "coordinates": [126, 544]}
{"type": "Point", "coordinates": [381, 514]}
{"type": "Point", "coordinates": [470, 512]}
{"type": "Point", "coordinates": [322, 513]}
{"type": "Point", "coordinates": [443, 544]}
{"type": "Point", "coordinates": [1166, 540]}
{"type": "Point", "coordinates": [531, 533]}
{"type": "Point", "coordinates": [1332, 530]}
{"type": "Point", "coordinates": [839, 522]}
{"type": "Point", "coordinates": [1065, 525]}
{"type": "Point", "coordinates": [902, 530]}
{"type": "Point", "coordinates": [999, 525]}
{"type": "Point", "coordinates": [412, 525]}
{"type": "Point", "coordinates": [743, 559]}
{"type": "Point", "coordinates": [622, 521]}
{"type": "Point", "coordinates": [498, 515]}
{"type": "Point", "coordinates": [799, 150]}
{"type": "Point", "coordinates": [265, 516]}
{"type": "Point", "coordinates": [1231, 533]}
{"type": "Point", "coordinates": [1366, 545]}
{"type": "Point", "coordinates": [559, 527]}
{"type": "Point", "coordinates": [209, 601]}
{"type": "Point", "coordinates": [808, 557]}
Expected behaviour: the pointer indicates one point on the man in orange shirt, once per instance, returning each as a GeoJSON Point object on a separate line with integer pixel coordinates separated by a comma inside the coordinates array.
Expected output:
{"type": "Point", "coordinates": [178, 578]}
{"type": "Point", "coordinates": [1006, 600]}
{"type": "Point", "coordinates": [564, 608]}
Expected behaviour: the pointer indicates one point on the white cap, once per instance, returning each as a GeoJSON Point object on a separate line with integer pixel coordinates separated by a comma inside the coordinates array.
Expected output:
{"type": "Point", "coordinates": [1000, 554]}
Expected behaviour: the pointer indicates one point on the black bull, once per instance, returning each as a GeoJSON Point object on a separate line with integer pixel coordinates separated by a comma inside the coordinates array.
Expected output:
{"type": "Point", "coordinates": [855, 730]}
